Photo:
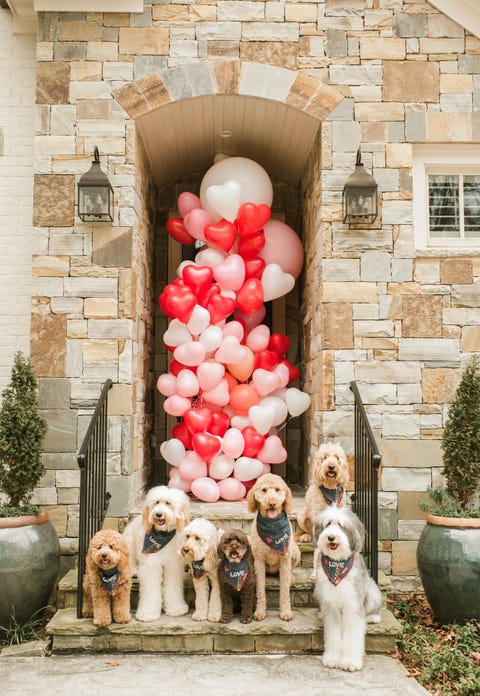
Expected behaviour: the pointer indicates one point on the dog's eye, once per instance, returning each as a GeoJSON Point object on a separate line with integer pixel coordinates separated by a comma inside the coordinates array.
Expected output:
{"type": "Point", "coordinates": [197, 538]}
{"type": "Point", "coordinates": [264, 490]}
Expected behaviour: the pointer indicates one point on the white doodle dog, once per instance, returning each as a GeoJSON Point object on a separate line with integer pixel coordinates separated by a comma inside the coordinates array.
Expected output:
{"type": "Point", "coordinates": [154, 542]}
{"type": "Point", "coordinates": [198, 547]}
{"type": "Point", "coordinates": [346, 594]}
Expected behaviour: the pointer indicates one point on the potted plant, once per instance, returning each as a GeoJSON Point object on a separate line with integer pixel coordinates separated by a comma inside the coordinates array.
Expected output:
{"type": "Point", "coordinates": [448, 553]}
{"type": "Point", "coordinates": [29, 548]}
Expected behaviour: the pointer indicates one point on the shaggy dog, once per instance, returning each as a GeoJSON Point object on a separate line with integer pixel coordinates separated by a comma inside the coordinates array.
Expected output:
{"type": "Point", "coordinates": [153, 541]}
{"type": "Point", "coordinates": [329, 479]}
{"type": "Point", "coordinates": [347, 596]}
{"type": "Point", "coordinates": [236, 575]}
{"type": "Point", "coordinates": [199, 542]}
{"type": "Point", "coordinates": [108, 579]}
{"type": "Point", "coordinates": [274, 548]}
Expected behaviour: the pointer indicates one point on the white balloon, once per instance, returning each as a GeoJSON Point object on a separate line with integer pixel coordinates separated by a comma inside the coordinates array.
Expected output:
{"type": "Point", "coordinates": [262, 418]}
{"type": "Point", "coordinates": [199, 320]}
{"type": "Point", "coordinates": [176, 334]}
{"type": "Point", "coordinates": [173, 451]}
{"type": "Point", "coordinates": [278, 405]}
{"type": "Point", "coordinates": [209, 256]}
{"type": "Point", "coordinates": [247, 468]}
{"type": "Point", "coordinates": [233, 443]}
{"type": "Point", "coordinates": [297, 401]}
{"type": "Point", "coordinates": [240, 422]}
{"type": "Point", "coordinates": [224, 200]}
{"type": "Point", "coordinates": [275, 282]}
{"type": "Point", "coordinates": [221, 466]}
{"type": "Point", "coordinates": [211, 338]}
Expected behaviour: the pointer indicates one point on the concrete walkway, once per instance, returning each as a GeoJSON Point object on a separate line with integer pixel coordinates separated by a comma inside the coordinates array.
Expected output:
{"type": "Point", "coordinates": [200, 675]}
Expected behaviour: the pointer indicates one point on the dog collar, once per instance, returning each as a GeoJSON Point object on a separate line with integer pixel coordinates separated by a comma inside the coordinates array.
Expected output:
{"type": "Point", "coordinates": [155, 541]}
{"type": "Point", "coordinates": [111, 579]}
{"type": "Point", "coordinates": [333, 496]}
{"type": "Point", "coordinates": [236, 574]}
{"type": "Point", "coordinates": [275, 532]}
{"type": "Point", "coordinates": [336, 571]}
{"type": "Point", "coordinates": [198, 571]}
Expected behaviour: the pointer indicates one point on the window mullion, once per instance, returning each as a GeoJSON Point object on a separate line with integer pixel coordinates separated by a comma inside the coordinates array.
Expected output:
{"type": "Point", "coordinates": [461, 206]}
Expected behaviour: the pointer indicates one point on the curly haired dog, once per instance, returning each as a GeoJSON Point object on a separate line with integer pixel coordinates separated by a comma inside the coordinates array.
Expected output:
{"type": "Point", "coordinates": [153, 541]}
{"type": "Point", "coordinates": [236, 575]}
{"type": "Point", "coordinates": [107, 582]}
{"type": "Point", "coordinates": [274, 548]}
{"type": "Point", "coordinates": [347, 596]}
{"type": "Point", "coordinates": [198, 547]}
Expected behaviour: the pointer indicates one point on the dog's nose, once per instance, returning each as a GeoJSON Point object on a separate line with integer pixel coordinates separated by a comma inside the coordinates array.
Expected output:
{"type": "Point", "coordinates": [331, 467]}
{"type": "Point", "coordinates": [185, 549]}
{"type": "Point", "coordinates": [104, 556]}
{"type": "Point", "coordinates": [331, 538]}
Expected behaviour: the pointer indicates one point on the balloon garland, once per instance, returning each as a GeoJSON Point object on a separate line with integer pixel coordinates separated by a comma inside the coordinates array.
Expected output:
{"type": "Point", "coordinates": [229, 376]}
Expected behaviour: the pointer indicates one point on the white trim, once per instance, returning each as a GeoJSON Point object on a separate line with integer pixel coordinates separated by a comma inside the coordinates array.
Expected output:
{"type": "Point", "coordinates": [463, 12]}
{"type": "Point", "coordinates": [88, 5]}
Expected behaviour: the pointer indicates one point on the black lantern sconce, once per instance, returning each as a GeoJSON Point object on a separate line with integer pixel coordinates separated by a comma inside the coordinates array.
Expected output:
{"type": "Point", "coordinates": [359, 200]}
{"type": "Point", "coordinates": [95, 194]}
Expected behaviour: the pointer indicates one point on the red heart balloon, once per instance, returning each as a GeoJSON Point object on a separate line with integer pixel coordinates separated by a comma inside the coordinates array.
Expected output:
{"type": "Point", "coordinates": [220, 423]}
{"type": "Point", "coordinates": [206, 445]}
{"type": "Point", "coordinates": [175, 367]}
{"type": "Point", "coordinates": [197, 420]}
{"type": "Point", "coordinates": [254, 267]}
{"type": "Point", "coordinates": [279, 343]}
{"type": "Point", "coordinates": [221, 233]}
{"type": "Point", "coordinates": [198, 278]}
{"type": "Point", "coordinates": [252, 218]}
{"type": "Point", "coordinates": [182, 433]}
{"type": "Point", "coordinates": [250, 296]}
{"type": "Point", "coordinates": [253, 441]}
{"type": "Point", "coordinates": [207, 293]}
{"type": "Point", "coordinates": [176, 229]}
{"type": "Point", "coordinates": [252, 245]}
{"type": "Point", "coordinates": [220, 308]}
{"type": "Point", "coordinates": [266, 360]}
{"type": "Point", "coordinates": [293, 372]}
{"type": "Point", "coordinates": [178, 303]}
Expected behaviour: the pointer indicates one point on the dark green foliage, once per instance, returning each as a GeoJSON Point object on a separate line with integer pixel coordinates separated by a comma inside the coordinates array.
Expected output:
{"type": "Point", "coordinates": [461, 438]}
{"type": "Point", "coordinates": [22, 431]}
{"type": "Point", "coordinates": [16, 634]}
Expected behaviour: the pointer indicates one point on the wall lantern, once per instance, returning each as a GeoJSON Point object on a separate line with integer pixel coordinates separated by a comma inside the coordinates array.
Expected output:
{"type": "Point", "coordinates": [95, 194]}
{"type": "Point", "coordinates": [359, 200]}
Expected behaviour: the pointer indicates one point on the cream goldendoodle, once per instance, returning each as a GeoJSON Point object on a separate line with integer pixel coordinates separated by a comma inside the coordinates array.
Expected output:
{"type": "Point", "coordinates": [274, 548]}
{"type": "Point", "coordinates": [153, 540]}
{"type": "Point", "coordinates": [107, 581]}
{"type": "Point", "coordinates": [198, 547]}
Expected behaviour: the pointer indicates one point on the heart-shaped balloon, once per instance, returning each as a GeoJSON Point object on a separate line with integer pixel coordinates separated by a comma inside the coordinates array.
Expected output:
{"type": "Point", "coordinates": [251, 246]}
{"type": "Point", "coordinates": [209, 374]}
{"type": "Point", "coordinates": [192, 353]}
{"type": "Point", "coordinates": [192, 467]}
{"type": "Point", "coordinates": [251, 320]}
{"type": "Point", "coordinates": [176, 405]}
{"type": "Point", "coordinates": [266, 360]}
{"type": "Point", "coordinates": [273, 451]}
{"type": "Point", "coordinates": [221, 233]}
{"type": "Point", "coordinates": [283, 375]}
{"type": "Point", "coordinates": [253, 441]}
{"type": "Point", "coordinates": [230, 351]}
{"type": "Point", "coordinates": [198, 420]}
{"type": "Point", "coordinates": [181, 432]}
{"type": "Point", "coordinates": [178, 302]}
{"type": "Point", "coordinates": [297, 401]}
{"type": "Point", "coordinates": [231, 272]}
{"type": "Point", "coordinates": [206, 489]}
{"type": "Point", "coordinates": [243, 369]}
{"type": "Point", "coordinates": [220, 308]}
{"type": "Point", "coordinates": [220, 423]}
{"type": "Point", "coordinates": [173, 451]}
{"type": "Point", "coordinates": [234, 328]}
{"type": "Point", "coordinates": [221, 466]}
{"type": "Point", "coordinates": [247, 468]}
{"type": "Point", "coordinates": [187, 383]}
{"type": "Point", "coordinates": [206, 445]}
{"type": "Point", "coordinates": [176, 334]}
{"type": "Point", "coordinates": [198, 278]}
{"type": "Point", "coordinates": [293, 372]}
{"type": "Point", "coordinates": [254, 267]}
{"type": "Point", "coordinates": [176, 481]}
{"type": "Point", "coordinates": [279, 343]}
{"type": "Point", "coordinates": [176, 366]}
{"type": "Point", "coordinates": [167, 384]}
{"type": "Point", "coordinates": [196, 221]}
{"type": "Point", "coordinates": [264, 381]}
{"type": "Point", "coordinates": [225, 199]}
{"type": "Point", "coordinates": [217, 395]}
{"type": "Point", "coordinates": [258, 338]}
{"type": "Point", "coordinates": [231, 489]}
{"type": "Point", "coordinates": [177, 230]}
{"type": "Point", "coordinates": [279, 406]}
{"type": "Point", "coordinates": [233, 443]}
{"type": "Point", "coordinates": [261, 417]}
{"type": "Point", "coordinates": [187, 202]}
{"type": "Point", "coordinates": [275, 282]}
{"type": "Point", "coordinates": [210, 256]}
{"type": "Point", "coordinates": [240, 422]}
{"type": "Point", "coordinates": [250, 297]}
{"type": "Point", "coordinates": [199, 320]}
{"type": "Point", "coordinates": [252, 218]}
{"type": "Point", "coordinates": [211, 338]}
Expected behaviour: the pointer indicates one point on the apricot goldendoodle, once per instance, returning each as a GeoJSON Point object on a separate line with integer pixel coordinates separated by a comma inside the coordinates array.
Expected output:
{"type": "Point", "coordinates": [107, 581]}
{"type": "Point", "coordinates": [236, 575]}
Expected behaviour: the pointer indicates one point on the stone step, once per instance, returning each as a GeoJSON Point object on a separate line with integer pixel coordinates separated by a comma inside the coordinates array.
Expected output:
{"type": "Point", "coordinates": [304, 634]}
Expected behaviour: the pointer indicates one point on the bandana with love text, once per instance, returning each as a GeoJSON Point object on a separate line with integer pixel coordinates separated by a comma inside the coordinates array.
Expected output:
{"type": "Point", "coordinates": [111, 579]}
{"type": "Point", "coordinates": [236, 573]}
{"type": "Point", "coordinates": [275, 532]}
{"type": "Point", "coordinates": [198, 571]}
{"type": "Point", "coordinates": [155, 541]}
{"type": "Point", "coordinates": [336, 571]}
{"type": "Point", "coordinates": [333, 496]}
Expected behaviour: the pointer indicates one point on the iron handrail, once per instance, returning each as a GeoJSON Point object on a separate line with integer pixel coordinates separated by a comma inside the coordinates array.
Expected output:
{"type": "Point", "coordinates": [94, 497]}
{"type": "Point", "coordinates": [365, 496]}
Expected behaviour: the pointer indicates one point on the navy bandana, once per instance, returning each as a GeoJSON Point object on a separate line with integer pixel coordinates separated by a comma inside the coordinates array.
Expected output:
{"type": "Point", "coordinates": [333, 496]}
{"type": "Point", "coordinates": [236, 573]}
{"type": "Point", "coordinates": [111, 579]}
{"type": "Point", "coordinates": [336, 571]}
{"type": "Point", "coordinates": [155, 541]}
{"type": "Point", "coordinates": [198, 571]}
{"type": "Point", "coordinates": [275, 532]}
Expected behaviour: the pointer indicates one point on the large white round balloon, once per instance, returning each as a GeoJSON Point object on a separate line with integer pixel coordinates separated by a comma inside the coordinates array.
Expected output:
{"type": "Point", "coordinates": [255, 184]}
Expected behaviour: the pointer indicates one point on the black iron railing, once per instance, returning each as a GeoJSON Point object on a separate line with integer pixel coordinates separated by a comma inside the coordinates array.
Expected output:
{"type": "Point", "coordinates": [94, 497]}
{"type": "Point", "coordinates": [365, 496]}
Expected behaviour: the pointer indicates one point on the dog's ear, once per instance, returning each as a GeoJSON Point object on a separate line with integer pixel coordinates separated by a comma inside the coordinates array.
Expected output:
{"type": "Point", "coordinates": [252, 504]}
{"type": "Point", "coordinates": [89, 562]}
{"type": "Point", "coordinates": [344, 472]}
{"type": "Point", "coordinates": [124, 561]}
{"type": "Point", "coordinates": [211, 558]}
{"type": "Point", "coordinates": [183, 517]}
{"type": "Point", "coordinates": [146, 516]}
{"type": "Point", "coordinates": [317, 528]}
{"type": "Point", "coordinates": [288, 503]}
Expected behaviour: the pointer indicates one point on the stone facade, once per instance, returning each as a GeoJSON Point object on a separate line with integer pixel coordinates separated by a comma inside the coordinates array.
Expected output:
{"type": "Point", "coordinates": [386, 74]}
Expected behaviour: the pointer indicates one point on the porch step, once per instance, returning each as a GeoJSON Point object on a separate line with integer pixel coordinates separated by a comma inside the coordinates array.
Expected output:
{"type": "Point", "coordinates": [304, 634]}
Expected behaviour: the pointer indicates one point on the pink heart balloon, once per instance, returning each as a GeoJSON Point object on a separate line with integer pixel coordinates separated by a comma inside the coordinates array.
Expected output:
{"type": "Point", "coordinates": [273, 451]}
{"type": "Point", "coordinates": [258, 338]}
{"type": "Point", "coordinates": [234, 328]}
{"type": "Point", "coordinates": [283, 375]}
{"type": "Point", "coordinates": [253, 319]}
{"type": "Point", "coordinates": [247, 468]}
{"type": "Point", "coordinates": [192, 466]}
{"type": "Point", "coordinates": [205, 489]}
{"type": "Point", "coordinates": [231, 272]}
{"type": "Point", "coordinates": [218, 395]}
{"type": "Point", "coordinates": [176, 481]}
{"type": "Point", "coordinates": [209, 374]}
{"type": "Point", "coordinates": [190, 354]}
{"type": "Point", "coordinates": [195, 222]}
{"type": "Point", "coordinates": [231, 489]}
{"type": "Point", "coordinates": [176, 405]}
{"type": "Point", "coordinates": [264, 381]}
{"type": "Point", "coordinates": [186, 202]}
{"type": "Point", "coordinates": [187, 383]}
{"type": "Point", "coordinates": [230, 351]}
{"type": "Point", "coordinates": [233, 443]}
{"type": "Point", "coordinates": [167, 384]}
{"type": "Point", "coordinates": [221, 466]}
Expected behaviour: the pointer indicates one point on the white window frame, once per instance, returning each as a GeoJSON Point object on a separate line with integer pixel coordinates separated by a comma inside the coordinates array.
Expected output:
{"type": "Point", "coordinates": [440, 159]}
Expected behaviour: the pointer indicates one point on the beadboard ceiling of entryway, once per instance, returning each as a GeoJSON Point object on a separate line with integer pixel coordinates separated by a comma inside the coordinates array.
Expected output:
{"type": "Point", "coordinates": [183, 137]}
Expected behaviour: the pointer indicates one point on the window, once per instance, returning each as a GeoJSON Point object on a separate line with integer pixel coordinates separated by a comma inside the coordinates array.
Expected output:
{"type": "Point", "coordinates": [446, 189]}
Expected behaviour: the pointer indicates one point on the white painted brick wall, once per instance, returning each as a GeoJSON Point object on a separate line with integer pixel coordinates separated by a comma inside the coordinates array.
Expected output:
{"type": "Point", "coordinates": [17, 99]}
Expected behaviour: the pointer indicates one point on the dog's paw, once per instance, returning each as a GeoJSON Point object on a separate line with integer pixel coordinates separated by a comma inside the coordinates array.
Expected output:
{"type": "Point", "coordinates": [146, 616]}
{"type": "Point", "coordinates": [213, 618]}
{"type": "Point", "coordinates": [198, 616]}
{"type": "Point", "coordinates": [225, 619]}
{"type": "Point", "coordinates": [123, 618]}
{"type": "Point", "coordinates": [101, 623]}
{"type": "Point", "coordinates": [179, 610]}
{"type": "Point", "coordinates": [245, 619]}
{"type": "Point", "coordinates": [304, 538]}
{"type": "Point", "coordinates": [259, 615]}
{"type": "Point", "coordinates": [286, 615]}
{"type": "Point", "coordinates": [351, 665]}
{"type": "Point", "coordinates": [313, 577]}
{"type": "Point", "coordinates": [330, 661]}
{"type": "Point", "coordinates": [374, 618]}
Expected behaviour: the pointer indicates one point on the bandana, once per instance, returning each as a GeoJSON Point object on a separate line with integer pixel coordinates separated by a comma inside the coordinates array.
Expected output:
{"type": "Point", "coordinates": [336, 571]}
{"type": "Point", "coordinates": [236, 573]}
{"type": "Point", "coordinates": [275, 532]}
{"type": "Point", "coordinates": [111, 579]}
{"type": "Point", "coordinates": [333, 496]}
{"type": "Point", "coordinates": [155, 541]}
{"type": "Point", "coordinates": [198, 571]}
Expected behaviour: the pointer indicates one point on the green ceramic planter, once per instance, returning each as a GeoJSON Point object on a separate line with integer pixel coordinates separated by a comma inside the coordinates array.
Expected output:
{"type": "Point", "coordinates": [448, 560]}
{"type": "Point", "coordinates": [29, 559]}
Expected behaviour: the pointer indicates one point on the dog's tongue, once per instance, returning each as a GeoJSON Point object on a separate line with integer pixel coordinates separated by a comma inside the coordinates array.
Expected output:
{"type": "Point", "coordinates": [272, 513]}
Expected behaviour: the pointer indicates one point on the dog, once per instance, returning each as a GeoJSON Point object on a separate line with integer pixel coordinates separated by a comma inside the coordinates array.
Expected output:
{"type": "Point", "coordinates": [153, 540]}
{"type": "Point", "coordinates": [273, 545]}
{"type": "Point", "coordinates": [346, 594]}
{"type": "Point", "coordinates": [329, 479]}
{"type": "Point", "coordinates": [236, 576]}
{"type": "Point", "coordinates": [107, 581]}
{"type": "Point", "coordinates": [198, 548]}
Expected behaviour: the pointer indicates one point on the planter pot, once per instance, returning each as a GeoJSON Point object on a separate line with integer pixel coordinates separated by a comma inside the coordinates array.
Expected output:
{"type": "Point", "coordinates": [29, 559]}
{"type": "Point", "coordinates": [448, 559]}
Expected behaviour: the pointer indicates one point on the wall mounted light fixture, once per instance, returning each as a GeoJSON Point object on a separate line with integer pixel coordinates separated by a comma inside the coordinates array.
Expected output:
{"type": "Point", "coordinates": [95, 194]}
{"type": "Point", "coordinates": [359, 200]}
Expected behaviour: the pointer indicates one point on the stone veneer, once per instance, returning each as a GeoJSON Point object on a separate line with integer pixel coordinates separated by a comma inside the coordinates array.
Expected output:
{"type": "Point", "coordinates": [383, 73]}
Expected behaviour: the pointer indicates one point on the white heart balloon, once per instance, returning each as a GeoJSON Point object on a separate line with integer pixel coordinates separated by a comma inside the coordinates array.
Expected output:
{"type": "Point", "coordinates": [218, 395]}
{"type": "Point", "coordinates": [230, 351]}
{"type": "Point", "coordinates": [190, 354]}
{"type": "Point", "coordinates": [233, 442]}
{"type": "Point", "coordinates": [297, 401]}
{"type": "Point", "coordinates": [258, 338]}
{"type": "Point", "coordinates": [283, 374]}
{"type": "Point", "coordinates": [278, 405]}
{"type": "Point", "coordinates": [211, 338]}
{"type": "Point", "coordinates": [176, 334]}
{"type": "Point", "coordinates": [173, 451]}
{"type": "Point", "coordinates": [199, 320]}
{"type": "Point", "coordinates": [209, 374]}
{"type": "Point", "coordinates": [210, 257]}
{"type": "Point", "coordinates": [225, 199]}
{"type": "Point", "coordinates": [275, 282]}
{"type": "Point", "coordinates": [247, 468]}
{"type": "Point", "coordinates": [187, 383]}
{"type": "Point", "coordinates": [240, 422]}
{"type": "Point", "coordinates": [265, 381]}
{"type": "Point", "coordinates": [221, 466]}
{"type": "Point", "coordinates": [262, 418]}
{"type": "Point", "coordinates": [234, 328]}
